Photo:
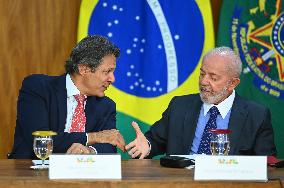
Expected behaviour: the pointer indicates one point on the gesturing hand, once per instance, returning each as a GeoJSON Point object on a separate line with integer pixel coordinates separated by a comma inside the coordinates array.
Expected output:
{"type": "Point", "coordinates": [111, 136]}
{"type": "Point", "coordinates": [139, 146]}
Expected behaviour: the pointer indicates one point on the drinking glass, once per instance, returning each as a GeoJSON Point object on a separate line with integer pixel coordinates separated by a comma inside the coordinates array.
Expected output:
{"type": "Point", "coordinates": [220, 144]}
{"type": "Point", "coordinates": [43, 145]}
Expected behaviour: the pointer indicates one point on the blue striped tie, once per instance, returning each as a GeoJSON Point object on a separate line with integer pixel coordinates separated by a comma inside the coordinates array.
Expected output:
{"type": "Point", "coordinates": [204, 146]}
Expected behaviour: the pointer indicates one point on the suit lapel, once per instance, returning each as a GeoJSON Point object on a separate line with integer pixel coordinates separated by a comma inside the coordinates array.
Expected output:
{"type": "Point", "coordinates": [61, 98]}
{"type": "Point", "coordinates": [236, 122]}
{"type": "Point", "coordinates": [190, 122]}
{"type": "Point", "coordinates": [90, 112]}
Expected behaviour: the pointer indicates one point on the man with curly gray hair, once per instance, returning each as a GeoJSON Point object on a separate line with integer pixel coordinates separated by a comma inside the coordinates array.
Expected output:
{"type": "Point", "coordinates": [73, 105]}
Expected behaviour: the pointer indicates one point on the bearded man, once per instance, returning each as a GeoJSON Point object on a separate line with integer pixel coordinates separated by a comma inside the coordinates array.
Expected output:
{"type": "Point", "coordinates": [185, 124]}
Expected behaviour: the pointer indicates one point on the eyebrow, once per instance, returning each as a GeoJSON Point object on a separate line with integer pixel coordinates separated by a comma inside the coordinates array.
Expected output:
{"type": "Point", "coordinates": [210, 73]}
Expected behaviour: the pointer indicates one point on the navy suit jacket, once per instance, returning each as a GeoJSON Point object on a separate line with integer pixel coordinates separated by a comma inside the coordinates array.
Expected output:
{"type": "Point", "coordinates": [42, 105]}
{"type": "Point", "coordinates": [249, 122]}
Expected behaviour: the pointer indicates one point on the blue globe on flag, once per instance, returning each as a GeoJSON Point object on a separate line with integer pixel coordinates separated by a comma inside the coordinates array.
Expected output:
{"type": "Point", "coordinates": [160, 43]}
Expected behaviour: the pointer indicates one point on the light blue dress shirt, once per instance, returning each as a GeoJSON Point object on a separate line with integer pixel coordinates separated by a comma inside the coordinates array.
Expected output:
{"type": "Point", "coordinates": [222, 119]}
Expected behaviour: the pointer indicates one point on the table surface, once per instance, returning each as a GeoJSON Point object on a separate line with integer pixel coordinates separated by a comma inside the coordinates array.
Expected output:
{"type": "Point", "coordinates": [135, 173]}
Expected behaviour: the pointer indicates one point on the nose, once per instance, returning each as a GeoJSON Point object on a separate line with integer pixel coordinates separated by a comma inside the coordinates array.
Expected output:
{"type": "Point", "coordinates": [203, 80]}
{"type": "Point", "coordinates": [111, 78]}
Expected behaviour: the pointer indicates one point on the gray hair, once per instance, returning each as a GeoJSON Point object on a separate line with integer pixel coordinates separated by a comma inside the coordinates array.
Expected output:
{"type": "Point", "coordinates": [234, 65]}
{"type": "Point", "coordinates": [90, 51]}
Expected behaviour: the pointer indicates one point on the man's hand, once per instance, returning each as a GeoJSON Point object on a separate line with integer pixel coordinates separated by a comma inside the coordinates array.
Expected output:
{"type": "Point", "coordinates": [77, 148]}
{"type": "Point", "coordinates": [139, 146]}
{"type": "Point", "coordinates": [111, 136]}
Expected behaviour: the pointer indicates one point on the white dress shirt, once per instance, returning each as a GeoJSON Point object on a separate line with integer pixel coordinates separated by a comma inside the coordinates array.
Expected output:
{"type": "Point", "coordinates": [72, 104]}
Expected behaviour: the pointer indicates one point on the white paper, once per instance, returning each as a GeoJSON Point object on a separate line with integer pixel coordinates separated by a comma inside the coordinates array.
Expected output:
{"type": "Point", "coordinates": [213, 167]}
{"type": "Point", "coordinates": [39, 162]}
{"type": "Point", "coordinates": [85, 166]}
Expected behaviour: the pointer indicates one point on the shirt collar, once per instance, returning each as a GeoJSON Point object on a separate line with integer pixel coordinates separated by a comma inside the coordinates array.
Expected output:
{"type": "Point", "coordinates": [70, 87]}
{"type": "Point", "coordinates": [223, 107]}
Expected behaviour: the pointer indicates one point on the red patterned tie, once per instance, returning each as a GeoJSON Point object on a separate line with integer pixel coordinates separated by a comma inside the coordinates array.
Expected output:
{"type": "Point", "coordinates": [79, 118]}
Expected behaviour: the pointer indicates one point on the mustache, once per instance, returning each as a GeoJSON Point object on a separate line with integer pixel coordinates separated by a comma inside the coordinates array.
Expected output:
{"type": "Point", "coordinates": [205, 89]}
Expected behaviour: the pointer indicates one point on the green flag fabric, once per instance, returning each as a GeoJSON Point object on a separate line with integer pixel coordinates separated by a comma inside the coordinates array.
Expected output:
{"type": "Point", "coordinates": [254, 29]}
{"type": "Point", "coordinates": [162, 43]}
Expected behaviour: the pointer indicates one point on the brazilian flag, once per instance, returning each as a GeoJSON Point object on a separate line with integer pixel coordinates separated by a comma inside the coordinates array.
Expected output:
{"type": "Point", "coordinates": [254, 29]}
{"type": "Point", "coordinates": [162, 43]}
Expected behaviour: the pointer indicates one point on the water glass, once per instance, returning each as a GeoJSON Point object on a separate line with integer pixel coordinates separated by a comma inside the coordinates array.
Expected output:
{"type": "Point", "coordinates": [43, 145]}
{"type": "Point", "coordinates": [220, 143]}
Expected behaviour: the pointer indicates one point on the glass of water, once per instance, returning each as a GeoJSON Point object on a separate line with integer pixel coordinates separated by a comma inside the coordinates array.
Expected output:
{"type": "Point", "coordinates": [220, 143]}
{"type": "Point", "coordinates": [43, 145]}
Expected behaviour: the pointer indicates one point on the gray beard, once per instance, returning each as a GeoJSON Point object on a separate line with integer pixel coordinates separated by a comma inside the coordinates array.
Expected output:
{"type": "Point", "coordinates": [215, 98]}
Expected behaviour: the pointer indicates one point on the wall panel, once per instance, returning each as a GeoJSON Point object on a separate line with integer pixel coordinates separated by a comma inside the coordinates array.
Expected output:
{"type": "Point", "coordinates": [36, 36]}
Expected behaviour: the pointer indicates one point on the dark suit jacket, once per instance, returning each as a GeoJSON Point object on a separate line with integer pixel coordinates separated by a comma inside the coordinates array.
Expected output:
{"type": "Point", "coordinates": [250, 123]}
{"type": "Point", "coordinates": [42, 105]}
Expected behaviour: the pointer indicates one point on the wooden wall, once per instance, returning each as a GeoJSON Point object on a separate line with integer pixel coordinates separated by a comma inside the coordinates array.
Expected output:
{"type": "Point", "coordinates": [36, 36]}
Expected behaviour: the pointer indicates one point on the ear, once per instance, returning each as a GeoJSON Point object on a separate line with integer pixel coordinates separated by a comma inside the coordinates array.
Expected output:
{"type": "Point", "coordinates": [83, 69]}
{"type": "Point", "coordinates": [233, 84]}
